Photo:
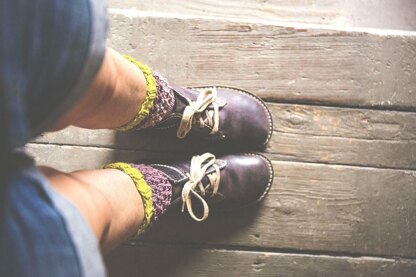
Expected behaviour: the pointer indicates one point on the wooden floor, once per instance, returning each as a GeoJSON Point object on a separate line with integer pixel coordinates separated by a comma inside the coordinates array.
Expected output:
{"type": "Point", "coordinates": [343, 201]}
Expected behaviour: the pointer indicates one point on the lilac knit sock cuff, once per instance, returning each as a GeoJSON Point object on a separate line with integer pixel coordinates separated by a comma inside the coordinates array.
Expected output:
{"type": "Point", "coordinates": [163, 104]}
{"type": "Point", "coordinates": [160, 186]}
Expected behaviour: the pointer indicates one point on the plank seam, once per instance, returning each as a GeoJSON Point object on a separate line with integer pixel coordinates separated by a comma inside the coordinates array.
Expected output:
{"type": "Point", "coordinates": [411, 112]}
{"type": "Point", "coordinates": [314, 103]}
{"type": "Point", "coordinates": [405, 170]}
{"type": "Point", "coordinates": [273, 250]}
{"type": "Point", "coordinates": [347, 138]}
{"type": "Point", "coordinates": [341, 164]}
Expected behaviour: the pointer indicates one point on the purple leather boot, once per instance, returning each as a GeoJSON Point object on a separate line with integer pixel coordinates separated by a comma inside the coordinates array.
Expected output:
{"type": "Point", "coordinates": [221, 115]}
{"type": "Point", "coordinates": [231, 182]}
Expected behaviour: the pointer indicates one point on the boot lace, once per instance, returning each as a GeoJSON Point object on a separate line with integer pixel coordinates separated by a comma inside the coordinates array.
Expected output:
{"type": "Point", "coordinates": [194, 111]}
{"type": "Point", "coordinates": [194, 186]}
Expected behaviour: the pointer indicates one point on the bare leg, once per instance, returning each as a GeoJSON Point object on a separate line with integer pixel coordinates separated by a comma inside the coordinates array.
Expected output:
{"type": "Point", "coordinates": [113, 98]}
{"type": "Point", "coordinates": [107, 198]}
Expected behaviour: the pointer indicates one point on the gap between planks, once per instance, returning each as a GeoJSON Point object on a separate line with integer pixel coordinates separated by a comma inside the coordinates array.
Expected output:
{"type": "Point", "coordinates": [317, 104]}
{"type": "Point", "coordinates": [273, 250]}
{"type": "Point", "coordinates": [151, 260]}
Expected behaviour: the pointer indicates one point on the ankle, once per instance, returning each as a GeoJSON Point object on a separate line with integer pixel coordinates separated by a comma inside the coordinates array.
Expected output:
{"type": "Point", "coordinates": [154, 188]}
{"type": "Point", "coordinates": [158, 103]}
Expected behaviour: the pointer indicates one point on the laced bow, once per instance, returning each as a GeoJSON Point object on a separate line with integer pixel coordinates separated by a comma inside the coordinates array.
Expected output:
{"type": "Point", "coordinates": [194, 186]}
{"type": "Point", "coordinates": [204, 99]}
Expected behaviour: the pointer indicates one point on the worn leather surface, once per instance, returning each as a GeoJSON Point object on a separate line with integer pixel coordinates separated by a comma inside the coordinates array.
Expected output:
{"type": "Point", "coordinates": [245, 120]}
{"type": "Point", "coordinates": [245, 180]}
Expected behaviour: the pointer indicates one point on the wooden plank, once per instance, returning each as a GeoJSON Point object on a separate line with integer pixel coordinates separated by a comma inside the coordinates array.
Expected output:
{"type": "Point", "coordinates": [153, 260]}
{"type": "Point", "coordinates": [343, 122]}
{"type": "Point", "coordinates": [71, 158]}
{"type": "Point", "coordinates": [397, 14]}
{"type": "Point", "coordinates": [311, 207]}
{"type": "Point", "coordinates": [344, 136]}
{"type": "Point", "coordinates": [280, 64]}
{"type": "Point", "coordinates": [342, 151]}
{"type": "Point", "coordinates": [301, 133]}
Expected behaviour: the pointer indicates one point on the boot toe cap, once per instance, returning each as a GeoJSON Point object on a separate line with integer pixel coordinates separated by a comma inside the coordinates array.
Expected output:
{"type": "Point", "coordinates": [245, 116]}
{"type": "Point", "coordinates": [249, 178]}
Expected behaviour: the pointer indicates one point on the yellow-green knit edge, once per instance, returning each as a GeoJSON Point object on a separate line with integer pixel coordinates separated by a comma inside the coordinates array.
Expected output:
{"type": "Point", "coordinates": [142, 187]}
{"type": "Point", "coordinates": [150, 95]}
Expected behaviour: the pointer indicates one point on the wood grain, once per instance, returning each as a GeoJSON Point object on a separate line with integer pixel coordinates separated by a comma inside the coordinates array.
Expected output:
{"type": "Point", "coordinates": [301, 133]}
{"type": "Point", "coordinates": [320, 208]}
{"type": "Point", "coordinates": [71, 158]}
{"type": "Point", "coordinates": [343, 122]}
{"type": "Point", "coordinates": [280, 64]}
{"type": "Point", "coordinates": [397, 14]}
{"type": "Point", "coordinates": [154, 260]}
{"type": "Point", "coordinates": [310, 207]}
{"type": "Point", "coordinates": [344, 136]}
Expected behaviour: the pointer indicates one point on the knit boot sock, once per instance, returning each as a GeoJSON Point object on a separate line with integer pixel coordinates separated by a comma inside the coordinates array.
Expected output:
{"type": "Point", "coordinates": [159, 101]}
{"type": "Point", "coordinates": [154, 188]}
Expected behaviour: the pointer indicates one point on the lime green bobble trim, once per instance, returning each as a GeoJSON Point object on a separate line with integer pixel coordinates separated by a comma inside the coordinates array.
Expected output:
{"type": "Point", "coordinates": [142, 187]}
{"type": "Point", "coordinates": [151, 95]}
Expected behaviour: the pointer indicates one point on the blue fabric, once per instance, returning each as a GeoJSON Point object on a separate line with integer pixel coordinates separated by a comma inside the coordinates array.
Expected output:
{"type": "Point", "coordinates": [50, 50]}
{"type": "Point", "coordinates": [44, 234]}
{"type": "Point", "coordinates": [35, 241]}
{"type": "Point", "coordinates": [44, 47]}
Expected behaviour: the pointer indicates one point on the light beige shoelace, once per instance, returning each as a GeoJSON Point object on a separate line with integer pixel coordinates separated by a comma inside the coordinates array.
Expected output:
{"type": "Point", "coordinates": [204, 99]}
{"type": "Point", "coordinates": [195, 187]}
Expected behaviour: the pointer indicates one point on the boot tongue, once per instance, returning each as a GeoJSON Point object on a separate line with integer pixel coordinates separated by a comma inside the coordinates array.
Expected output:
{"type": "Point", "coordinates": [177, 176]}
{"type": "Point", "coordinates": [183, 98]}
{"type": "Point", "coordinates": [180, 104]}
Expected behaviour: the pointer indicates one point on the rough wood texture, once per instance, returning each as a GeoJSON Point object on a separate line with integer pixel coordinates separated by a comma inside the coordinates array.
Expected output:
{"type": "Point", "coordinates": [311, 207]}
{"type": "Point", "coordinates": [320, 210]}
{"type": "Point", "coordinates": [399, 14]}
{"type": "Point", "coordinates": [344, 136]}
{"type": "Point", "coordinates": [71, 158]}
{"type": "Point", "coordinates": [153, 260]}
{"type": "Point", "coordinates": [280, 64]}
{"type": "Point", "coordinates": [301, 133]}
